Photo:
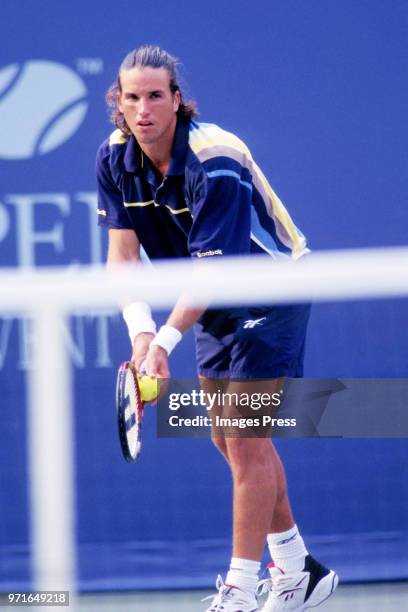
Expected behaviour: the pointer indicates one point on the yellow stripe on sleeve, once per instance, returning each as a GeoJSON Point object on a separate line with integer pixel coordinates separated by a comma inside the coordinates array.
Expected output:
{"type": "Point", "coordinates": [117, 137]}
{"type": "Point", "coordinates": [281, 216]}
{"type": "Point", "coordinates": [209, 136]}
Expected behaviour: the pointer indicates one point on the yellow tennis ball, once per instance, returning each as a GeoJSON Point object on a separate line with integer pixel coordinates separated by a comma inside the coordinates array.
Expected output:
{"type": "Point", "coordinates": [149, 388]}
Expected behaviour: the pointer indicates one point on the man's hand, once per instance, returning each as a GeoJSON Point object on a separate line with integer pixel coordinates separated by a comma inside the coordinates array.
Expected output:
{"type": "Point", "coordinates": [157, 365]}
{"type": "Point", "coordinates": [155, 357]}
{"type": "Point", "coordinates": [157, 362]}
{"type": "Point", "coordinates": [140, 348]}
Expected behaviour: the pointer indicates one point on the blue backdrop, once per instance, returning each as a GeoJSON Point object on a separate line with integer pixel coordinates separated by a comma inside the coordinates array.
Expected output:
{"type": "Point", "coordinates": [318, 91]}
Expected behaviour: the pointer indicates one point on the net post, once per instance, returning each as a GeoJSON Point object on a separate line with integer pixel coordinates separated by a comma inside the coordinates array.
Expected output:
{"type": "Point", "coordinates": [51, 457]}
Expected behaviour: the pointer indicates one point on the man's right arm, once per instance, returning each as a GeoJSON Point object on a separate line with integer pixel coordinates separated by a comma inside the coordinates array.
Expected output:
{"type": "Point", "coordinates": [124, 247]}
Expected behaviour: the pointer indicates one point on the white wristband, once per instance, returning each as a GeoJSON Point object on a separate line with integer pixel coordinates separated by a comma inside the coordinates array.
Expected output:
{"type": "Point", "coordinates": [138, 317]}
{"type": "Point", "coordinates": [167, 337]}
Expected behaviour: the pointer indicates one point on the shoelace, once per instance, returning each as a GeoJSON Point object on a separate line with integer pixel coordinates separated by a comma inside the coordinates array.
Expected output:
{"type": "Point", "coordinates": [224, 594]}
{"type": "Point", "coordinates": [277, 583]}
{"type": "Point", "coordinates": [221, 592]}
{"type": "Point", "coordinates": [263, 586]}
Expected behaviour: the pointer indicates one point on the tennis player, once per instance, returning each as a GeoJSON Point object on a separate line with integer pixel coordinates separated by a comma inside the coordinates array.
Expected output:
{"type": "Point", "coordinates": [181, 188]}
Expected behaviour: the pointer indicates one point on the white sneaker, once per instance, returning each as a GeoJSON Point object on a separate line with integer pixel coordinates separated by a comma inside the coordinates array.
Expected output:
{"type": "Point", "coordinates": [231, 599]}
{"type": "Point", "coordinates": [300, 591]}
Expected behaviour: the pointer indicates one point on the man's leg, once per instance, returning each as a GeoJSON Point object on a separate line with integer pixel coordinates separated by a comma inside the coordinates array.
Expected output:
{"type": "Point", "coordinates": [282, 517]}
{"type": "Point", "coordinates": [255, 494]}
{"type": "Point", "coordinates": [260, 493]}
{"type": "Point", "coordinates": [242, 577]}
{"type": "Point", "coordinates": [213, 386]}
{"type": "Point", "coordinates": [261, 503]}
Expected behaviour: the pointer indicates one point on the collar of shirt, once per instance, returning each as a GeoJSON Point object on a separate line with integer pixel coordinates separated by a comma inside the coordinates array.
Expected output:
{"type": "Point", "coordinates": [133, 159]}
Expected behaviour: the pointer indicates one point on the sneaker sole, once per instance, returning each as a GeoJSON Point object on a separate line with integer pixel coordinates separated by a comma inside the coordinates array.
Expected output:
{"type": "Point", "coordinates": [323, 590]}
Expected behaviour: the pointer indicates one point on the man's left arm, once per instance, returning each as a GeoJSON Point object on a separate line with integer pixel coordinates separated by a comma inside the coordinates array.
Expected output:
{"type": "Point", "coordinates": [221, 226]}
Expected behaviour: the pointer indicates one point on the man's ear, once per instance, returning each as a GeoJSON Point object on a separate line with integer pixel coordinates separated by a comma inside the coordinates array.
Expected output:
{"type": "Point", "coordinates": [118, 102]}
{"type": "Point", "coordinates": [176, 101]}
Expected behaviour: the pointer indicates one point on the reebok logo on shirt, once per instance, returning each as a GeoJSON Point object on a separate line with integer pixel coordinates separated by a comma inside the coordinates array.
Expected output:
{"type": "Point", "coordinates": [210, 253]}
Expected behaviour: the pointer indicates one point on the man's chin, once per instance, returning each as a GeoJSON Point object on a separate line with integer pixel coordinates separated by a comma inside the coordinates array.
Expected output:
{"type": "Point", "coordinates": [144, 139]}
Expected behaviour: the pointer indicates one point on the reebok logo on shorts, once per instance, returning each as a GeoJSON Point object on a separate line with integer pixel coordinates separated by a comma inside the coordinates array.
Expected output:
{"type": "Point", "coordinates": [252, 322]}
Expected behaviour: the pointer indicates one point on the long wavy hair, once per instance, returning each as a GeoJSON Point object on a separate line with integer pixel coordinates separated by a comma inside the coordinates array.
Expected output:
{"type": "Point", "coordinates": [153, 57]}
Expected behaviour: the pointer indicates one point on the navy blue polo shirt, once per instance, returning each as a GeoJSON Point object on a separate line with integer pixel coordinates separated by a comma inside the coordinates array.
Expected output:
{"type": "Point", "coordinates": [213, 201]}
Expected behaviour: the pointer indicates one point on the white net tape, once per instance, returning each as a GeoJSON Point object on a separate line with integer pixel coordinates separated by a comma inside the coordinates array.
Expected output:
{"type": "Point", "coordinates": [339, 275]}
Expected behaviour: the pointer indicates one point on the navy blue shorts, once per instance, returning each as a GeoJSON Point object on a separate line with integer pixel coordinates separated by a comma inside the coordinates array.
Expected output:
{"type": "Point", "coordinates": [253, 343]}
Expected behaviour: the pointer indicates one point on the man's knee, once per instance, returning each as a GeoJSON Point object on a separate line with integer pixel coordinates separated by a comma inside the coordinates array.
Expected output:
{"type": "Point", "coordinates": [246, 453]}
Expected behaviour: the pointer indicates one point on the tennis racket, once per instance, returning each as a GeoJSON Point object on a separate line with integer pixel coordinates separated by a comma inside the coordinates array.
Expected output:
{"type": "Point", "coordinates": [129, 411]}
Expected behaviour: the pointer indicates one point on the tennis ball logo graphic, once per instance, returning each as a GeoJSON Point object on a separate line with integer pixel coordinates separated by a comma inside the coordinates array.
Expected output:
{"type": "Point", "coordinates": [42, 104]}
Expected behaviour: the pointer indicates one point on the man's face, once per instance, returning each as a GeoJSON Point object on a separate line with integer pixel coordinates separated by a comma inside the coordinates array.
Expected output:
{"type": "Point", "coordinates": [147, 103]}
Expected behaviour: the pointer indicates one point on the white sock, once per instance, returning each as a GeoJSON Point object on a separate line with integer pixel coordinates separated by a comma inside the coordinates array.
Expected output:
{"type": "Point", "coordinates": [243, 573]}
{"type": "Point", "coordinates": [287, 550]}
